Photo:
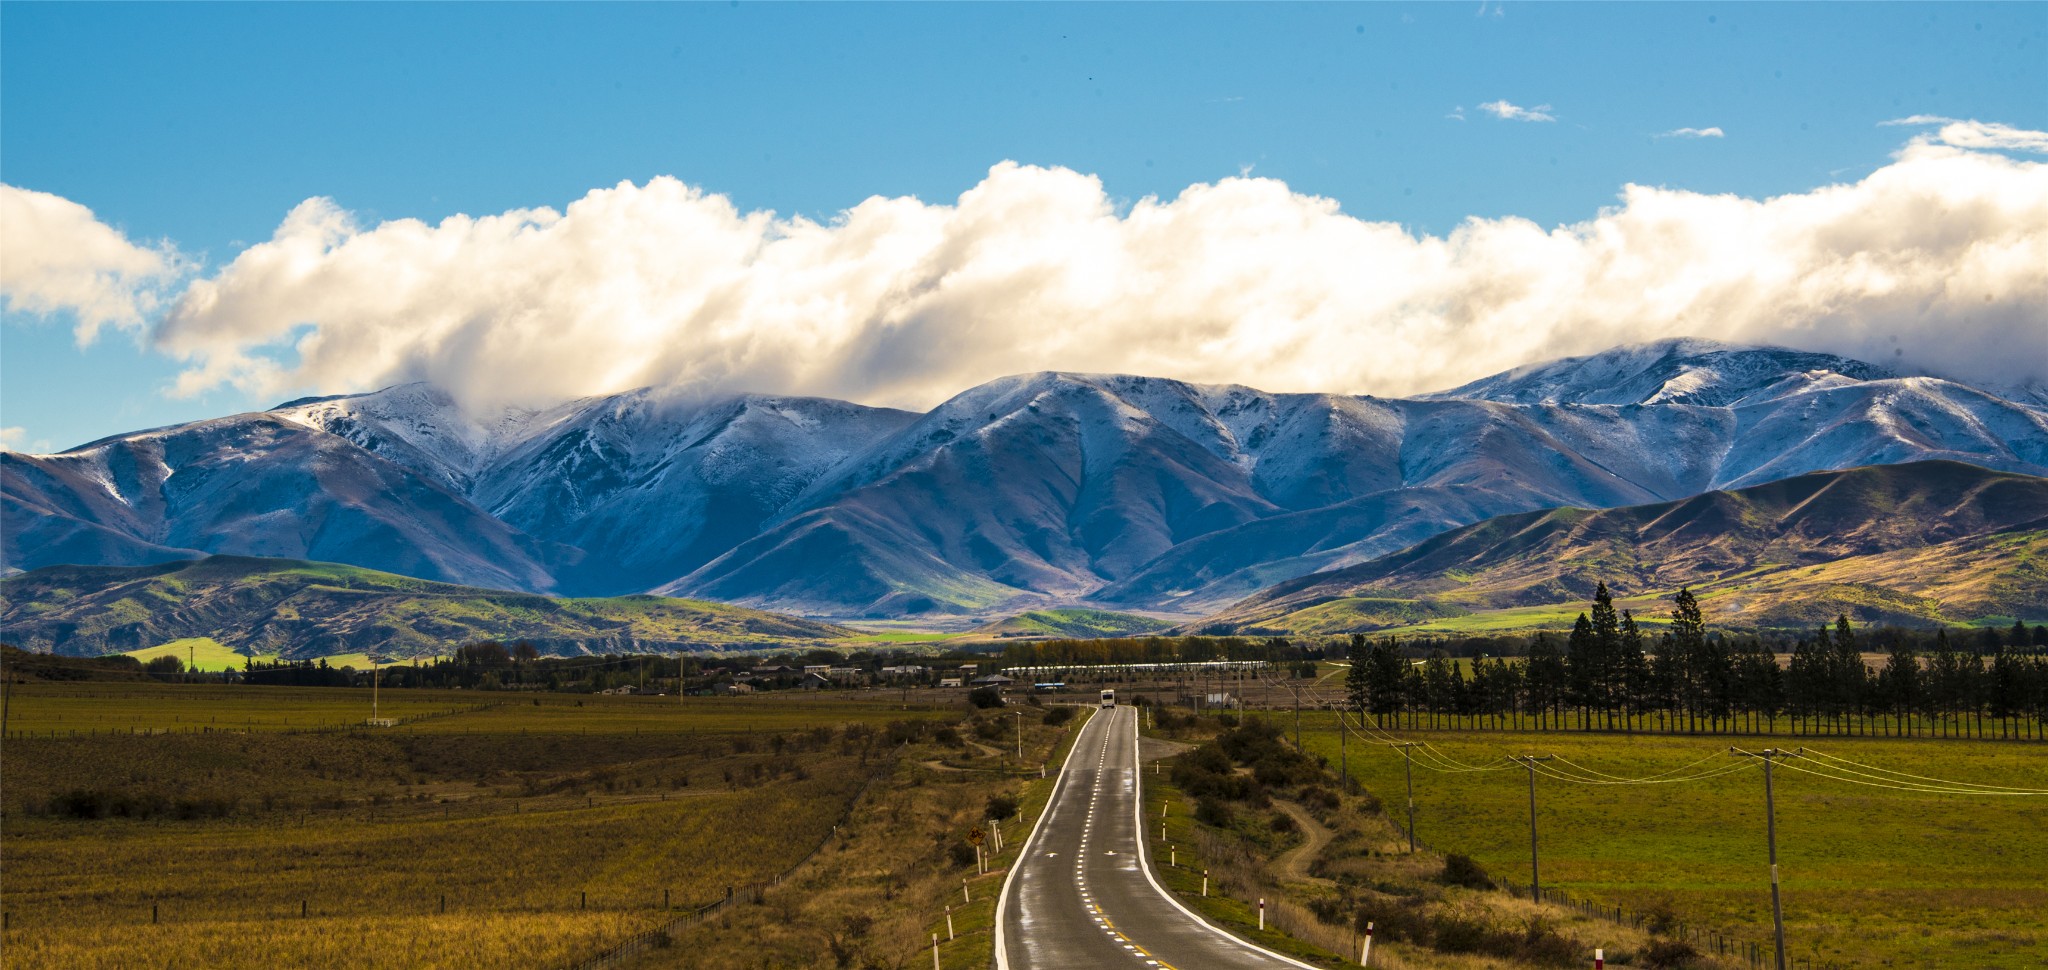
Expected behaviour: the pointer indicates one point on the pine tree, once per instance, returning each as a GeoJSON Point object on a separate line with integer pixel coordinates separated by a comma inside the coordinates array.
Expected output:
{"type": "Point", "coordinates": [1581, 666]}
{"type": "Point", "coordinates": [1358, 680]}
{"type": "Point", "coordinates": [1633, 667]}
{"type": "Point", "coordinates": [1546, 678]}
{"type": "Point", "coordinates": [1901, 680]}
{"type": "Point", "coordinates": [1851, 677]}
{"type": "Point", "coordinates": [1605, 675]}
{"type": "Point", "coordinates": [1688, 639]}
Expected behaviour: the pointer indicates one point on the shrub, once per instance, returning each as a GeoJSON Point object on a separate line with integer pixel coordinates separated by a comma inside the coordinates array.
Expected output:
{"type": "Point", "coordinates": [1460, 870]}
{"type": "Point", "coordinates": [1056, 716]}
{"type": "Point", "coordinates": [1210, 810]}
{"type": "Point", "coordinates": [963, 854]}
{"type": "Point", "coordinates": [1283, 822]}
{"type": "Point", "coordinates": [1456, 934]}
{"type": "Point", "coordinates": [1393, 919]}
{"type": "Point", "coordinates": [985, 697]}
{"type": "Point", "coordinates": [1670, 955]}
{"type": "Point", "coordinates": [1543, 946]}
{"type": "Point", "coordinates": [1001, 807]}
{"type": "Point", "coordinates": [947, 736]}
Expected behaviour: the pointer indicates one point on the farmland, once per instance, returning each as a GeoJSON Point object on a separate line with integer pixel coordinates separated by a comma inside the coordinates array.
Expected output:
{"type": "Point", "coordinates": [523, 833]}
{"type": "Point", "coordinates": [1873, 877]}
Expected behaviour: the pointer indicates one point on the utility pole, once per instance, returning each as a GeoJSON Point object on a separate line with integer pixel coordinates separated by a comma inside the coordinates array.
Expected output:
{"type": "Point", "coordinates": [373, 690]}
{"type": "Point", "coordinates": [1769, 755]}
{"type": "Point", "coordinates": [1343, 756]}
{"type": "Point", "coordinates": [1535, 879]}
{"type": "Point", "coordinates": [1408, 756]}
{"type": "Point", "coordinates": [1019, 715]}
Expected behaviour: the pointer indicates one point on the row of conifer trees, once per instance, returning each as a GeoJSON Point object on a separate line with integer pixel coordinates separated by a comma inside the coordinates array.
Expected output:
{"type": "Point", "coordinates": [1610, 675]}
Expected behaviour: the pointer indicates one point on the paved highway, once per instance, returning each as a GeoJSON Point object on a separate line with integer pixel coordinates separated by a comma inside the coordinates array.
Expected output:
{"type": "Point", "coordinates": [1082, 896]}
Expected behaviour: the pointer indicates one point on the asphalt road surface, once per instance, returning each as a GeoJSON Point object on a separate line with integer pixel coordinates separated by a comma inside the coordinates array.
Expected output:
{"type": "Point", "coordinates": [1082, 897]}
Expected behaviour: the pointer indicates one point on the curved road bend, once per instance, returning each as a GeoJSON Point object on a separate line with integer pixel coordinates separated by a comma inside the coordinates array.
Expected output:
{"type": "Point", "coordinates": [1081, 896]}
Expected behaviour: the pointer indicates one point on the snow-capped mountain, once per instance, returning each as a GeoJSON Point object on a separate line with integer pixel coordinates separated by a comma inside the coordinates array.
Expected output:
{"type": "Point", "coordinates": [1684, 370]}
{"type": "Point", "coordinates": [1051, 487]}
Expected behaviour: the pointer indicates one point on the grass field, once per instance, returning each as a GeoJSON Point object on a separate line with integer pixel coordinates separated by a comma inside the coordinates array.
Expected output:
{"type": "Point", "coordinates": [1872, 877]}
{"type": "Point", "coordinates": [550, 830]}
{"type": "Point", "coordinates": [201, 653]}
{"type": "Point", "coordinates": [123, 708]}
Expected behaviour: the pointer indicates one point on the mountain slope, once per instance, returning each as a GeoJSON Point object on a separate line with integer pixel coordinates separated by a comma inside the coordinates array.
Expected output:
{"type": "Point", "coordinates": [1029, 491]}
{"type": "Point", "coordinates": [307, 609]}
{"type": "Point", "coordinates": [255, 485]}
{"type": "Point", "coordinates": [1072, 623]}
{"type": "Point", "coordinates": [1678, 371]}
{"type": "Point", "coordinates": [1766, 547]}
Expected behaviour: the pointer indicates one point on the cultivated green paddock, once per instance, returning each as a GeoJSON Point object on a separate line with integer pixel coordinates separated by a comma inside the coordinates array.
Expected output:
{"type": "Point", "coordinates": [201, 653]}
{"type": "Point", "coordinates": [1873, 877]}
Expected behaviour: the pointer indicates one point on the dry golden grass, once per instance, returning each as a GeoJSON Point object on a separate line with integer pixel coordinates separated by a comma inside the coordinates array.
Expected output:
{"type": "Point", "coordinates": [515, 824]}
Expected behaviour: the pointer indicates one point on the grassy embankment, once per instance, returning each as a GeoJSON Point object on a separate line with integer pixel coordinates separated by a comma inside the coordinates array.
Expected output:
{"type": "Point", "coordinates": [551, 830]}
{"type": "Point", "coordinates": [1873, 877]}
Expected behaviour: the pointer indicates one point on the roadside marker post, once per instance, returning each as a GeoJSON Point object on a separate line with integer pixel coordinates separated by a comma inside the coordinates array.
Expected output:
{"type": "Point", "coordinates": [1262, 912]}
{"type": "Point", "coordinates": [935, 951]}
{"type": "Point", "coordinates": [1205, 884]}
{"type": "Point", "coordinates": [1365, 955]}
{"type": "Point", "coordinates": [964, 897]}
{"type": "Point", "coordinates": [1599, 959]}
{"type": "Point", "coordinates": [949, 924]}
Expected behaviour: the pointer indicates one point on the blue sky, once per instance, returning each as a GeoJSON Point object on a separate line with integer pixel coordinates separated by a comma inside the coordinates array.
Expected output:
{"type": "Point", "coordinates": [205, 125]}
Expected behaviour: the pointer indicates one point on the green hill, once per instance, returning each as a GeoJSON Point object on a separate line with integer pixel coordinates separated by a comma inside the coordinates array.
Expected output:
{"type": "Point", "coordinates": [1077, 624]}
{"type": "Point", "coordinates": [298, 609]}
{"type": "Point", "coordinates": [1919, 543]}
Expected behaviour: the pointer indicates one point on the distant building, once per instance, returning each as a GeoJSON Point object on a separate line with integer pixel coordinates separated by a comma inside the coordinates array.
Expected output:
{"type": "Point", "coordinates": [735, 688]}
{"type": "Point", "coordinates": [949, 682]}
{"type": "Point", "coordinates": [992, 680]}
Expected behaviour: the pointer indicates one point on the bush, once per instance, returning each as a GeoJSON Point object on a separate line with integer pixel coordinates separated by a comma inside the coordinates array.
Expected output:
{"type": "Point", "coordinates": [963, 854]}
{"type": "Point", "coordinates": [1460, 870]}
{"type": "Point", "coordinates": [1001, 807]}
{"type": "Point", "coordinates": [947, 736]}
{"type": "Point", "coordinates": [1543, 946]}
{"type": "Point", "coordinates": [1393, 919]}
{"type": "Point", "coordinates": [985, 697]}
{"type": "Point", "coordinates": [1283, 822]}
{"type": "Point", "coordinates": [1056, 716]}
{"type": "Point", "coordinates": [1210, 810]}
{"type": "Point", "coordinates": [1456, 934]}
{"type": "Point", "coordinates": [1670, 955]}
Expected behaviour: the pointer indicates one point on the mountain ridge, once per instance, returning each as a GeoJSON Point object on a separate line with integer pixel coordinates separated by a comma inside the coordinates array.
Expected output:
{"type": "Point", "coordinates": [1029, 491]}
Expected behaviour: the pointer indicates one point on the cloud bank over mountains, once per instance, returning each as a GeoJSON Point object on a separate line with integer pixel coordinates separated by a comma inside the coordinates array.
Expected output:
{"type": "Point", "coordinates": [1937, 260]}
{"type": "Point", "coordinates": [55, 255]}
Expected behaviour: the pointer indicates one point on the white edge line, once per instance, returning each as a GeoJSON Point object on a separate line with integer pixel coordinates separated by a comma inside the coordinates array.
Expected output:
{"type": "Point", "coordinates": [1003, 895]}
{"type": "Point", "coordinates": [1145, 864]}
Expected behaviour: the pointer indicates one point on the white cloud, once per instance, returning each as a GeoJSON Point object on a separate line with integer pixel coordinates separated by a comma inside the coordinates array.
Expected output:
{"type": "Point", "coordinates": [1715, 132]}
{"type": "Point", "coordinates": [11, 439]}
{"type": "Point", "coordinates": [1511, 112]}
{"type": "Point", "coordinates": [1457, 113]}
{"type": "Point", "coordinates": [1941, 254]}
{"type": "Point", "coordinates": [1973, 135]}
{"type": "Point", "coordinates": [55, 256]}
